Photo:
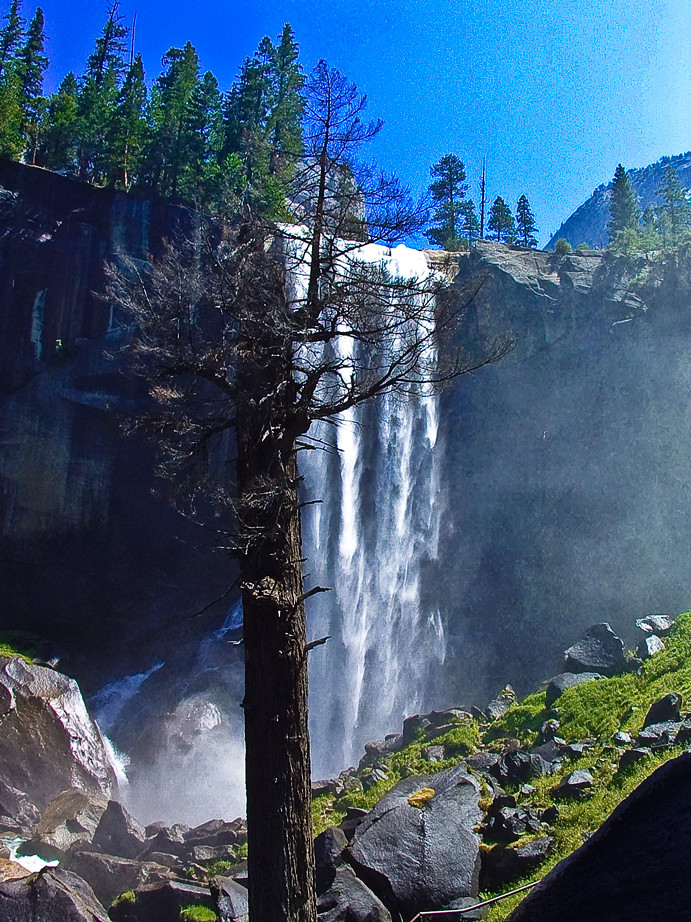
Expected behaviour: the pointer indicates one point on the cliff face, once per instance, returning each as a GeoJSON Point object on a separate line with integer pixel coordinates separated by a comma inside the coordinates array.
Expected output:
{"type": "Point", "coordinates": [91, 558]}
{"type": "Point", "coordinates": [565, 477]}
{"type": "Point", "coordinates": [567, 464]}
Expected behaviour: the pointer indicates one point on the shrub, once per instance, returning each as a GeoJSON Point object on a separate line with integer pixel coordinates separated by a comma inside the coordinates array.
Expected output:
{"type": "Point", "coordinates": [562, 247]}
{"type": "Point", "coordinates": [197, 914]}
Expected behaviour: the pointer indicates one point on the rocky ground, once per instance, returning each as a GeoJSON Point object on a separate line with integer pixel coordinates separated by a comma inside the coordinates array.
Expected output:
{"type": "Point", "coordinates": [458, 808]}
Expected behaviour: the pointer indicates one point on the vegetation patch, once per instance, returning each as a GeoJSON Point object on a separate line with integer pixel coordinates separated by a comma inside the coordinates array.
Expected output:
{"type": "Point", "coordinates": [197, 914]}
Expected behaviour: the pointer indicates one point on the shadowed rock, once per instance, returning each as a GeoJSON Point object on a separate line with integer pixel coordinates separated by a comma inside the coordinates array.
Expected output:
{"type": "Point", "coordinates": [634, 868]}
{"type": "Point", "coordinates": [349, 900]}
{"type": "Point", "coordinates": [230, 899]}
{"type": "Point", "coordinates": [109, 875]}
{"type": "Point", "coordinates": [52, 895]}
{"type": "Point", "coordinates": [600, 650]}
{"type": "Point", "coordinates": [118, 833]}
{"type": "Point", "coordinates": [559, 683]}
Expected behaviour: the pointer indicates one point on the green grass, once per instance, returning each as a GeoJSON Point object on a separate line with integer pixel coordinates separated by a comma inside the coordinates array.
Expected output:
{"type": "Point", "coordinates": [197, 914]}
{"type": "Point", "coordinates": [596, 709]}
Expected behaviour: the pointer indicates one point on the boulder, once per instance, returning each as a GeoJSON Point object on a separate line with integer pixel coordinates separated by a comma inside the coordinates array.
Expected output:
{"type": "Point", "coordinates": [160, 902]}
{"type": "Point", "coordinates": [48, 741]}
{"type": "Point", "coordinates": [631, 756]}
{"type": "Point", "coordinates": [655, 624]}
{"type": "Point", "coordinates": [558, 684]}
{"type": "Point", "coordinates": [109, 875]}
{"type": "Point", "coordinates": [511, 823]}
{"type": "Point", "coordinates": [230, 899]}
{"type": "Point", "coordinates": [353, 818]}
{"type": "Point", "coordinates": [52, 895]}
{"type": "Point", "coordinates": [660, 735]}
{"type": "Point", "coordinates": [328, 856]}
{"type": "Point", "coordinates": [118, 833]}
{"type": "Point", "coordinates": [649, 646]}
{"type": "Point", "coordinates": [633, 868]}
{"type": "Point", "coordinates": [417, 848]}
{"type": "Point", "coordinates": [517, 767]}
{"type": "Point", "coordinates": [574, 785]}
{"type": "Point", "coordinates": [502, 865]}
{"type": "Point", "coordinates": [500, 705]}
{"type": "Point", "coordinates": [412, 726]}
{"type": "Point", "coordinates": [599, 651]}
{"type": "Point", "coordinates": [215, 833]}
{"type": "Point", "coordinates": [666, 708]}
{"type": "Point", "coordinates": [349, 900]}
{"type": "Point", "coordinates": [70, 819]}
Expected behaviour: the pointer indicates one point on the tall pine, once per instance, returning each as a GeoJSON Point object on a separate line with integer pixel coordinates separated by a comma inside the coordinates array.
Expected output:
{"type": "Point", "coordinates": [501, 221]}
{"type": "Point", "coordinates": [525, 224]}
{"type": "Point", "coordinates": [11, 36]}
{"type": "Point", "coordinates": [624, 211]}
{"type": "Point", "coordinates": [675, 213]}
{"type": "Point", "coordinates": [129, 132]}
{"type": "Point", "coordinates": [31, 63]}
{"type": "Point", "coordinates": [448, 189]}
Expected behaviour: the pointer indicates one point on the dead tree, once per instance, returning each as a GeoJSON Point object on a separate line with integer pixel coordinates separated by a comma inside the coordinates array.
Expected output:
{"type": "Point", "coordinates": [264, 329]}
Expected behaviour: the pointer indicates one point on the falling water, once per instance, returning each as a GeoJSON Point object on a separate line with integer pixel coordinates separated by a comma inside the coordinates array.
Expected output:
{"type": "Point", "coordinates": [370, 539]}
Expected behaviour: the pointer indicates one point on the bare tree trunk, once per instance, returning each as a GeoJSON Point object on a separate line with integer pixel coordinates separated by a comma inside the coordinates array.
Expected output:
{"type": "Point", "coordinates": [281, 852]}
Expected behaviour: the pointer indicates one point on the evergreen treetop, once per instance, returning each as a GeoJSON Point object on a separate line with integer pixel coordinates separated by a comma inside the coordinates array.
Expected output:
{"type": "Point", "coordinates": [624, 211]}
{"type": "Point", "coordinates": [501, 221]}
{"type": "Point", "coordinates": [447, 189]}
{"type": "Point", "coordinates": [525, 223]}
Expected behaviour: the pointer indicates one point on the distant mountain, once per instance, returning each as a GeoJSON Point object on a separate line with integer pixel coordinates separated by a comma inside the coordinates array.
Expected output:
{"type": "Point", "coordinates": [588, 223]}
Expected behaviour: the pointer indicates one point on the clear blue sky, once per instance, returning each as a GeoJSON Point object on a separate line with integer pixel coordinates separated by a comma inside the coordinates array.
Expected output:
{"type": "Point", "coordinates": [553, 92]}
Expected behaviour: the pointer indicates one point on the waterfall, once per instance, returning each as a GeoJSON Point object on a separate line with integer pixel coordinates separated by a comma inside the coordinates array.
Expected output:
{"type": "Point", "coordinates": [369, 538]}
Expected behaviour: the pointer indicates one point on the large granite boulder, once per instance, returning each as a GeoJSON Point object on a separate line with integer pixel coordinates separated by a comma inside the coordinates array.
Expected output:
{"type": "Point", "coordinates": [70, 819]}
{"type": "Point", "coordinates": [48, 741]}
{"type": "Point", "coordinates": [119, 833]}
{"type": "Point", "coordinates": [599, 650]}
{"type": "Point", "coordinates": [52, 895]}
{"type": "Point", "coordinates": [160, 902]}
{"type": "Point", "coordinates": [634, 867]}
{"type": "Point", "coordinates": [417, 849]}
{"type": "Point", "coordinates": [231, 901]}
{"type": "Point", "coordinates": [558, 684]}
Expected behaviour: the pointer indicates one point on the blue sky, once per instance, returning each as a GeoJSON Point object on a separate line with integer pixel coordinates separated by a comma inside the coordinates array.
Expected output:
{"type": "Point", "coordinates": [554, 93]}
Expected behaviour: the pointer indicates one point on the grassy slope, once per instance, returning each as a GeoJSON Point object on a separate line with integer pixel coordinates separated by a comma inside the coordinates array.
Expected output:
{"type": "Point", "coordinates": [596, 710]}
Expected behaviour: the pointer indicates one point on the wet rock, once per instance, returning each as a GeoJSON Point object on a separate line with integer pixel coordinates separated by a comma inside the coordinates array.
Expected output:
{"type": "Point", "coordinates": [17, 812]}
{"type": "Point", "coordinates": [599, 651]}
{"type": "Point", "coordinates": [468, 904]}
{"type": "Point", "coordinates": [659, 735]}
{"type": "Point", "coordinates": [109, 875]}
{"type": "Point", "coordinates": [230, 899]}
{"type": "Point", "coordinates": [198, 854]}
{"type": "Point", "coordinates": [551, 751]}
{"type": "Point", "coordinates": [11, 870]}
{"type": "Point", "coordinates": [119, 833]}
{"type": "Point", "coordinates": [655, 624]}
{"type": "Point", "coordinates": [558, 684]}
{"type": "Point", "coordinates": [349, 900]}
{"type": "Point", "coordinates": [170, 841]}
{"type": "Point", "coordinates": [664, 709]}
{"type": "Point", "coordinates": [575, 785]}
{"type": "Point", "coordinates": [417, 848]}
{"type": "Point", "coordinates": [48, 741]}
{"type": "Point", "coordinates": [500, 705]}
{"type": "Point", "coordinates": [370, 778]}
{"type": "Point", "coordinates": [214, 833]}
{"type": "Point", "coordinates": [683, 737]}
{"type": "Point", "coordinates": [160, 902]}
{"type": "Point", "coordinates": [633, 868]}
{"type": "Point", "coordinates": [70, 819]}
{"type": "Point", "coordinates": [328, 849]}
{"type": "Point", "coordinates": [502, 865]}
{"type": "Point", "coordinates": [622, 738]}
{"type": "Point", "coordinates": [482, 761]}
{"type": "Point", "coordinates": [550, 815]}
{"type": "Point", "coordinates": [649, 646]}
{"type": "Point", "coordinates": [52, 895]}
{"type": "Point", "coordinates": [576, 750]}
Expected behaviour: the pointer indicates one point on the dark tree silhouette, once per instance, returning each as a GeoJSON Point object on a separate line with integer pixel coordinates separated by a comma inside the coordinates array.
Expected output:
{"type": "Point", "coordinates": [264, 328]}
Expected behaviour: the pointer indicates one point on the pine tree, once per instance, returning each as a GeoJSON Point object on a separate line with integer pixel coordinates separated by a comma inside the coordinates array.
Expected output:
{"type": "Point", "coordinates": [448, 188]}
{"type": "Point", "coordinates": [624, 211]}
{"type": "Point", "coordinates": [58, 143]}
{"type": "Point", "coordinates": [128, 135]}
{"type": "Point", "coordinates": [170, 112]}
{"type": "Point", "coordinates": [98, 94]}
{"type": "Point", "coordinates": [200, 171]}
{"type": "Point", "coordinates": [470, 225]}
{"type": "Point", "coordinates": [675, 213]}
{"type": "Point", "coordinates": [11, 36]}
{"type": "Point", "coordinates": [11, 118]}
{"type": "Point", "coordinates": [501, 221]}
{"type": "Point", "coordinates": [285, 119]}
{"type": "Point", "coordinates": [525, 223]}
{"type": "Point", "coordinates": [31, 63]}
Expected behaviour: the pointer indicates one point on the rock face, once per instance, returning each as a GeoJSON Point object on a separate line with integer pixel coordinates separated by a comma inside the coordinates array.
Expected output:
{"type": "Point", "coordinates": [417, 848]}
{"type": "Point", "coordinates": [48, 741]}
{"type": "Point", "coordinates": [599, 651]}
{"type": "Point", "coordinates": [51, 895]}
{"type": "Point", "coordinates": [643, 847]}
